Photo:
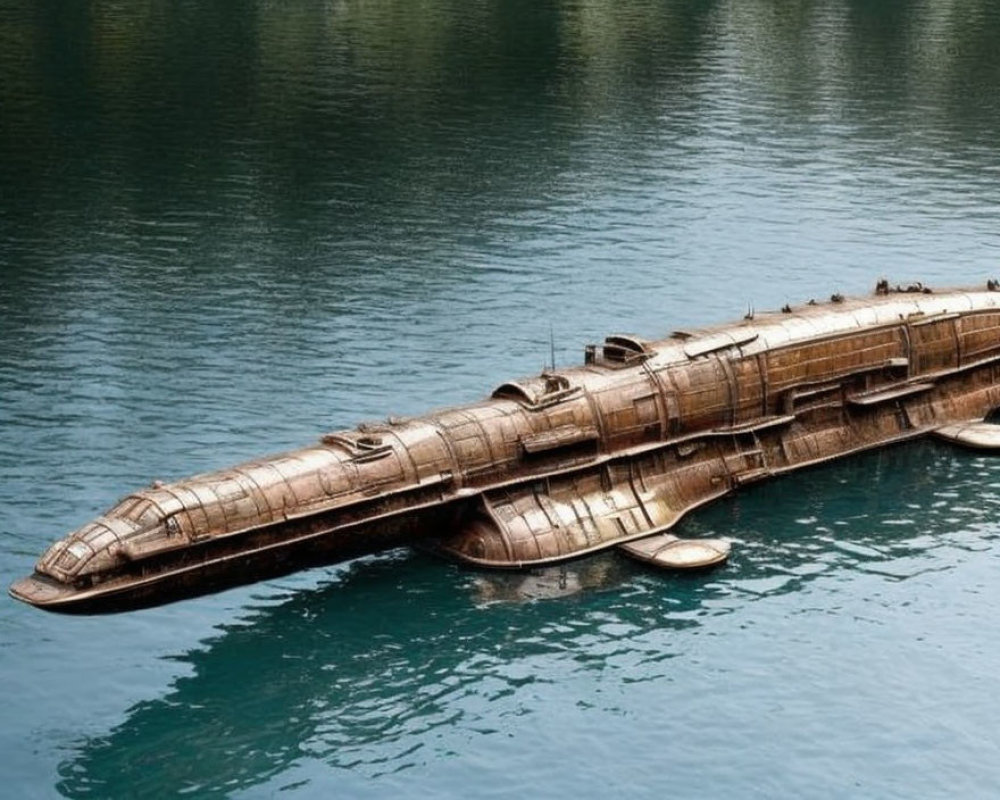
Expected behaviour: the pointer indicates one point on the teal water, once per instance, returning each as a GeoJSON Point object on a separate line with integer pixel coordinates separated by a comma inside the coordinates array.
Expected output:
{"type": "Point", "coordinates": [226, 228]}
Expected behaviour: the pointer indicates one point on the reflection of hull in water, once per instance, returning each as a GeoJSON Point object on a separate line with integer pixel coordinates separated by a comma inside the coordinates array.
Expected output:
{"type": "Point", "coordinates": [328, 642]}
{"type": "Point", "coordinates": [557, 466]}
{"type": "Point", "coordinates": [350, 672]}
{"type": "Point", "coordinates": [547, 583]}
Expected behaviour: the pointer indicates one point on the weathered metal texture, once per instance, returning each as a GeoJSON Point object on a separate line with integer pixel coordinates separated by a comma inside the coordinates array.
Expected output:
{"type": "Point", "coordinates": [559, 465]}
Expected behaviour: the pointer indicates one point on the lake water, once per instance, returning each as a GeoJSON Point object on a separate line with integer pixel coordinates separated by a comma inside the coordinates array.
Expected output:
{"type": "Point", "coordinates": [227, 228]}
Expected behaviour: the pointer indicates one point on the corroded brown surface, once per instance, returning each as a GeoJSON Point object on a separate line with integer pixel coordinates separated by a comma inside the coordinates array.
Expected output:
{"type": "Point", "coordinates": [559, 465]}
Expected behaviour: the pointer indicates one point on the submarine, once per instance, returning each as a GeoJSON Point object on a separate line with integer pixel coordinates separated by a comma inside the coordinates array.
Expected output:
{"type": "Point", "coordinates": [608, 454]}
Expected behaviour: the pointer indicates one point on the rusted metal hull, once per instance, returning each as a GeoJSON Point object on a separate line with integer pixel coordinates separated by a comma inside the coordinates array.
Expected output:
{"type": "Point", "coordinates": [560, 465]}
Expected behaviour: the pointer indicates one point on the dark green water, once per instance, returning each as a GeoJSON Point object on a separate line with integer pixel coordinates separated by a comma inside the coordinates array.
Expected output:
{"type": "Point", "coordinates": [228, 227]}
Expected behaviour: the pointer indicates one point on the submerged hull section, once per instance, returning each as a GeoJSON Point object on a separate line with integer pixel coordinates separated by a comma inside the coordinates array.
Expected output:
{"type": "Point", "coordinates": [556, 466]}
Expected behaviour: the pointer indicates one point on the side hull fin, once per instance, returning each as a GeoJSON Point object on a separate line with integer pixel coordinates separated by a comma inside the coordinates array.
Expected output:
{"type": "Point", "coordinates": [667, 551]}
{"type": "Point", "coordinates": [553, 520]}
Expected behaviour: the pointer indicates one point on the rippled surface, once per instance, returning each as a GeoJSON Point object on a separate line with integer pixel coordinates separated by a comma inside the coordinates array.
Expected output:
{"type": "Point", "coordinates": [225, 229]}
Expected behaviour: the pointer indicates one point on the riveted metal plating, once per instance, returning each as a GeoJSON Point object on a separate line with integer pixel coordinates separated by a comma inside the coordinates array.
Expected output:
{"type": "Point", "coordinates": [561, 464]}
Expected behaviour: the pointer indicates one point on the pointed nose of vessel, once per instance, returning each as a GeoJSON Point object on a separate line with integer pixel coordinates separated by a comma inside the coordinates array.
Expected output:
{"type": "Point", "coordinates": [40, 591]}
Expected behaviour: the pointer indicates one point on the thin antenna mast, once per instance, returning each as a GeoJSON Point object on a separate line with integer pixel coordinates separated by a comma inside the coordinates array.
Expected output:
{"type": "Point", "coordinates": [552, 345]}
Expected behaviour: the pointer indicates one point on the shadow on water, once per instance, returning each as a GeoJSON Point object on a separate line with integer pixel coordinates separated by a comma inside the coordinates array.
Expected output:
{"type": "Point", "coordinates": [333, 124]}
{"type": "Point", "coordinates": [361, 672]}
{"type": "Point", "coordinates": [199, 176]}
{"type": "Point", "coordinates": [357, 671]}
{"type": "Point", "coordinates": [331, 110]}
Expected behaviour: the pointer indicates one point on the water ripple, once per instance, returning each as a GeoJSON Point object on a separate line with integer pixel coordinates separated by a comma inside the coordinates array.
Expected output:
{"type": "Point", "coordinates": [221, 235]}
